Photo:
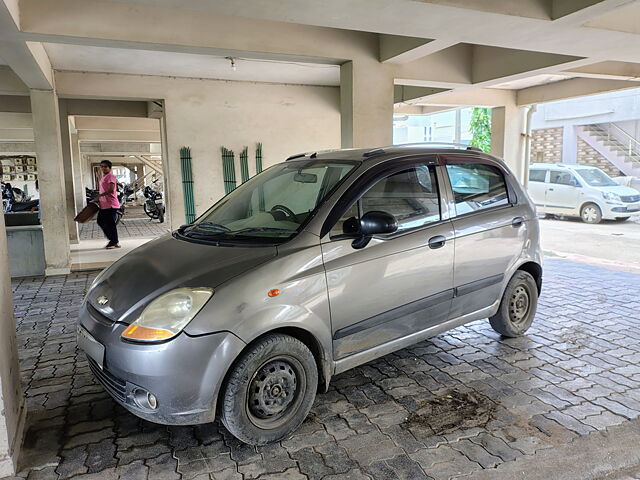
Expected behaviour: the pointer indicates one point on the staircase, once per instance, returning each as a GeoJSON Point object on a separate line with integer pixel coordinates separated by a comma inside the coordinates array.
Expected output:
{"type": "Point", "coordinates": [616, 145]}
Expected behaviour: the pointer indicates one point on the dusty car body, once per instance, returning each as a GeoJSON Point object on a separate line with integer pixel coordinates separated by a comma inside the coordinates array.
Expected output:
{"type": "Point", "coordinates": [401, 244]}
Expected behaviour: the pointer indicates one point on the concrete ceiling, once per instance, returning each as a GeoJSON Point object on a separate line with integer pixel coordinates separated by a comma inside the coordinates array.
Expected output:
{"type": "Point", "coordinates": [149, 62]}
{"type": "Point", "coordinates": [537, 48]}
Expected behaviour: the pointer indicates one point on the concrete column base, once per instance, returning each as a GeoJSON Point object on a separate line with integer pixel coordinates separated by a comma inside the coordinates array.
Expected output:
{"type": "Point", "coordinates": [50, 272]}
{"type": "Point", "coordinates": [9, 462]}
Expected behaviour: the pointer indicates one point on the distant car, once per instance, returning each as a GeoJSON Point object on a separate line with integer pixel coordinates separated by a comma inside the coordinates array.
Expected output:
{"type": "Point", "coordinates": [580, 191]}
{"type": "Point", "coordinates": [312, 267]}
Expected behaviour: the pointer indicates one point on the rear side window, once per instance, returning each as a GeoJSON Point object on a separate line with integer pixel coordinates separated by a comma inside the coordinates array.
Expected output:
{"type": "Point", "coordinates": [562, 178]}
{"type": "Point", "coordinates": [537, 175]}
{"type": "Point", "coordinates": [477, 186]}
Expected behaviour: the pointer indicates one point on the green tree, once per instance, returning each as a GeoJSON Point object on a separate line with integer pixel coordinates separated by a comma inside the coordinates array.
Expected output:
{"type": "Point", "coordinates": [481, 128]}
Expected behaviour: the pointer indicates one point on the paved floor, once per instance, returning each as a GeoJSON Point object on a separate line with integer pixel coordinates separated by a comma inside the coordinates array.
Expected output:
{"type": "Point", "coordinates": [454, 406]}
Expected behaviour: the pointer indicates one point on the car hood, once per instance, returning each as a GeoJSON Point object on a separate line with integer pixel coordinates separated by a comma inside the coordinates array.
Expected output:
{"type": "Point", "coordinates": [164, 264]}
{"type": "Point", "coordinates": [619, 190]}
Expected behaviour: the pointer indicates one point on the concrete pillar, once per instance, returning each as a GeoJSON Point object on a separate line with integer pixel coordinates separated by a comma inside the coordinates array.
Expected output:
{"type": "Point", "coordinates": [46, 130]}
{"type": "Point", "coordinates": [78, 182]}
{"type": "Point", "coordinates": [12, 405]}
{"type": "Point", "coordinates": [67, 165]}
{"type": "Point", "coordinates": [508, 136]}
{"type": "Point", "coordinates": [569, 144]}
{"type": "Point", "coordinates": [366, 104]}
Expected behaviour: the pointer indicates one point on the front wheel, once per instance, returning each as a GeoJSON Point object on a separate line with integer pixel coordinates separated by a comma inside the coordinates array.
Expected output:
{"type": "Point", "coordinates": [518, 306]}
{"type": "Point", "coordinates": [270, 390]}
{"type": "Point", "coordinates": [591, 213]}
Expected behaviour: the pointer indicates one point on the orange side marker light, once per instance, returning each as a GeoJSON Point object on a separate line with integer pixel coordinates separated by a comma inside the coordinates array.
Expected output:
{"type": "Point", "coordinates": [274, 292]}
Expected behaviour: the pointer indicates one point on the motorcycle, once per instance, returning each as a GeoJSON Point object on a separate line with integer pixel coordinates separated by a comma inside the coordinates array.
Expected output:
{"type": "Point", "coordinates": [154, 204]}
{"type": "Point", "coordinates": [15, 200]}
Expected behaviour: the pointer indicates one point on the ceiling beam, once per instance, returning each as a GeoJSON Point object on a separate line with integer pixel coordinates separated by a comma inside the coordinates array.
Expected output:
{"type": "Point", "coordinates": [575, 87]}
{"type": "Point", "coordinates": [27, 59]}
{"type": "Point", "coordinates": [118, 136]}
{"type": "Point", "coordinates": [116, 124]}
{"type": "Point", "coordinates": [399, 49]}
{"type": "Point", "coordinates": [608, 70]}
{"type": "Point", "coordinates": [406, 93]}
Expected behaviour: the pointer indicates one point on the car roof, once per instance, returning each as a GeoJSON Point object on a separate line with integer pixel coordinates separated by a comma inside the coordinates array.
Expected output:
{"type": "Point", "coordinates": [571, 166]}
{"type": "Point", "coordinates": [392, 151]}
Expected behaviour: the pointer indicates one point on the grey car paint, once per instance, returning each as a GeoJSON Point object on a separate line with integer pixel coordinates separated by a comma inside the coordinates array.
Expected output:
{"type": "Point", "coordinates": [326, 288]}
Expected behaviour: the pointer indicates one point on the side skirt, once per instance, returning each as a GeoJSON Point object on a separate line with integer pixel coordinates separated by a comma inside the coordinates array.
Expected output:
{"type": "Point", "coordinates": [359, 358]}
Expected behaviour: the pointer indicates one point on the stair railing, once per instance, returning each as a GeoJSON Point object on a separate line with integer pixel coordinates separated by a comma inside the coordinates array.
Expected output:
{"type": "Point", "coordinates": [631, 143]}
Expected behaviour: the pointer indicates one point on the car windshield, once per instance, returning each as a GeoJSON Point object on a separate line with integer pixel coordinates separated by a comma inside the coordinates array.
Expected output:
{"type": "Point", "coordinates": [272, 205]}
{"type": "Point", "coordinates": [596, 178]}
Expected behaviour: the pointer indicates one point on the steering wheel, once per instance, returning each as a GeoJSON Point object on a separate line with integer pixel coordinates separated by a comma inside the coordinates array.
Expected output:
{"type": "Point", "coordinates": [287, 211]}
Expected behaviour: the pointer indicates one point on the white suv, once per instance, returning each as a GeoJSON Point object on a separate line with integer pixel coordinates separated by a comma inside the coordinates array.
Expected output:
{"type": "Point", "coordinates": [580, 191]}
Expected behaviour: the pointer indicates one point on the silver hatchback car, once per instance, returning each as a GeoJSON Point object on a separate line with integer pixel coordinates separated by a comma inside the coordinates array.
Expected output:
{"type": "Point", "coordinates": [314, 266]}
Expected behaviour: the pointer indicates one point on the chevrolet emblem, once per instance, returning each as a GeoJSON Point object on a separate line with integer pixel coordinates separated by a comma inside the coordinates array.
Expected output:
{"type": "Point", "coordinates": [102, 300]}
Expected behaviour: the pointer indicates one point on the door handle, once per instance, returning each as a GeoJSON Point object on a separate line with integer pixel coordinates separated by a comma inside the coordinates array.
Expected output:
{"type": "Point", "coordinates": [437, 241]}
{"type": "Point", "coordinates": [550, 190]}
{"type": "Point", "coordinates": [517, 222]}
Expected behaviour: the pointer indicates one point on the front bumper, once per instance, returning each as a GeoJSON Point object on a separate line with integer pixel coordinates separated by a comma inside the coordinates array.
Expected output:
{"type": "Point", "coordinates": [184, 374]}
{"type": "Point", "coordinates": [617, 210]}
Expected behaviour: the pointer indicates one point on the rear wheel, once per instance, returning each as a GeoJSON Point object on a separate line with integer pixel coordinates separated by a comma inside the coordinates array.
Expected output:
{"type": "Point", "coordinates": [591, 213]}
{"type": "Point", "coordinates": [518, 306]}
{"type": "Point", "coordinates": [270, 390]}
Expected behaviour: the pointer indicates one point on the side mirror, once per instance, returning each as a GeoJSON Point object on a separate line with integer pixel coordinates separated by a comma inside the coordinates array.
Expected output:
{"type": "Point", "coordinates": [574, 183]}
{"type": "Point", "coordinates": [371, 223]}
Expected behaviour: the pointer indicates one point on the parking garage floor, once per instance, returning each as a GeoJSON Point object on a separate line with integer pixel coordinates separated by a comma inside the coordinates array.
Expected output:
{"type": "Point", "coordinates": [465, 404]}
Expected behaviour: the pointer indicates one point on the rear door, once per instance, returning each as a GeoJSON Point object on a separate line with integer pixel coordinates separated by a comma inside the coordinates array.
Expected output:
{"type": "Point", "coordinates": [563, 193]}
{"type": "Point", "coordinates": [490, 230]}
{"type": "Point", "coordinates": [399, 283]}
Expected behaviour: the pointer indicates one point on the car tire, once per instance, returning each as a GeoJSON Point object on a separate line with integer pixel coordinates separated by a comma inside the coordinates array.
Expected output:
{"type": "Point", "coordinates": [591, 213]}
{"type": "Point", "coordinates": [622, 219]}
{"type": "Point", "coordinates": [269, 390]}
{"type": "Point", "coordinates": [517, 307]}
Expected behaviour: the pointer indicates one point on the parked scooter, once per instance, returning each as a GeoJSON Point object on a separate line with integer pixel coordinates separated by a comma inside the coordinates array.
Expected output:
{"type": "Point", "coordinates": [154, 204]}
{"type": "Point", "coordinates": [15, 200]}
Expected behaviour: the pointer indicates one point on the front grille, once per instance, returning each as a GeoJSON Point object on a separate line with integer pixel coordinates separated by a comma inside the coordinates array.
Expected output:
{"type": "Point", "coordinates": [630, 198]}
{"type": "Point", "coordinates": [116, 387]}
{"type": "Point", "coordinates": [98, 316]}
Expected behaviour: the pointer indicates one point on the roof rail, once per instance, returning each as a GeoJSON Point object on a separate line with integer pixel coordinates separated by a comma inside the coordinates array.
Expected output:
{"type": "Point", "coordinates": [461, 146]}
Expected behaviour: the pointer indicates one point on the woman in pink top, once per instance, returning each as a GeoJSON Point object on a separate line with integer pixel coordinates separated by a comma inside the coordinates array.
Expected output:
{"type": "Point", "coordinates": [109, 204]}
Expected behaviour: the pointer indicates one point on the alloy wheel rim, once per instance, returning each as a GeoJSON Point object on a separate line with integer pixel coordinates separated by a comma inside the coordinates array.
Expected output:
{"type": "Point", "coordinates": [590, 214]}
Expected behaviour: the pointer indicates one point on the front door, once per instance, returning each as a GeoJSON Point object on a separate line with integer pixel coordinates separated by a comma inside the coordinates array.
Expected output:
{"type": "Point", "coordinates": [399, 283]}
{"type": "Point", "coordinates": [563, 193]}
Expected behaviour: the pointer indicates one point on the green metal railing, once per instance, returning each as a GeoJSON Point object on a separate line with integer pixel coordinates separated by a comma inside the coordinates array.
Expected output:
{"type": "Point", "coordinates": [258, 158]}
{"type": "Point", "coordinates": [228, 170]}
{"type": "Point", "coordinates": [244, 164]}
{"type": "Point", "coordinates": [187, 184]}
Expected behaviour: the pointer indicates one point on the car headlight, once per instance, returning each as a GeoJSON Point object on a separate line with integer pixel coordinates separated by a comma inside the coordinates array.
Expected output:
{"type": "Point", "coordinates": [611, 196]}
{"type": "Point", "coordinates": [166, 316]}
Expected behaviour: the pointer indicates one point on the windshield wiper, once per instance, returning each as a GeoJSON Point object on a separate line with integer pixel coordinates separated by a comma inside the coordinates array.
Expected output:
{"type": "Point", "coordinates": [261, 229]}
{"type": "Point", "coordinates": [209, 228]}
